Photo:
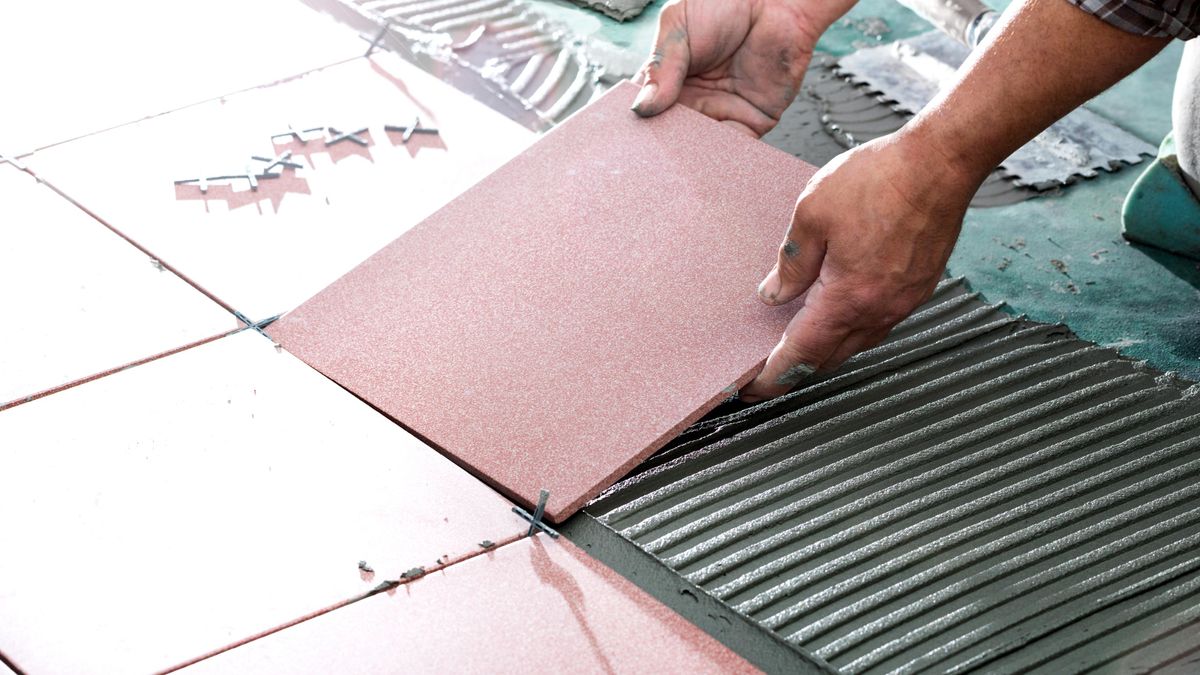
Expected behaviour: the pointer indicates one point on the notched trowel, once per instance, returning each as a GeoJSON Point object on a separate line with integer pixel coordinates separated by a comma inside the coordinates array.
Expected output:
{"type": "Point", "coordinates": [907, 74]}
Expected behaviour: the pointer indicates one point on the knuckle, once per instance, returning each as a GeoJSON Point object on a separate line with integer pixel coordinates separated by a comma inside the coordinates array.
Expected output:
{"type": "Point", "coordinates": [871, 306]}
{"type": "Point", "coordinates": [793, 350]}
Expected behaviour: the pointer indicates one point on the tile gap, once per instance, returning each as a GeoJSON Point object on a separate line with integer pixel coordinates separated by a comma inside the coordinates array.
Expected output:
{"type": "Point", "coordinates": [382, 587]}
{"type": "Point", "coordinates": [112, 371]}
{"type": "Point", "coordinates": [151, 116]}
{"type": "Point", "coordinates": [157, 260]}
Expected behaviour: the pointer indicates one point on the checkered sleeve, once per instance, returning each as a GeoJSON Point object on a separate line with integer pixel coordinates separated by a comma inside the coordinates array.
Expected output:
{"type": "Point", "coordinates": [1153, 18]}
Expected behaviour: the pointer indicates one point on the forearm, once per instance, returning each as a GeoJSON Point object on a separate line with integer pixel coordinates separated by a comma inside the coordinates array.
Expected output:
{"type": "Point", "coordinates": [1042, 60]}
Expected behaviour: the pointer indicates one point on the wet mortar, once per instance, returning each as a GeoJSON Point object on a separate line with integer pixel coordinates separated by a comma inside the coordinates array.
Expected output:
{"type": "Point", "coordinates": [981, 492]}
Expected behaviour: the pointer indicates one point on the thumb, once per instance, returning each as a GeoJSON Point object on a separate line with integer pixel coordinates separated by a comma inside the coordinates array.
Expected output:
{"type": "Point", "coordinates": [798, 266]}
{"type": "Point", "coordinates": [663, 73]}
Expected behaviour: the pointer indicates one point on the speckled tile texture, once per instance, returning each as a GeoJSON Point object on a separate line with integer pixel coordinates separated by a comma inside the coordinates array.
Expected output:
{"type": "Point", "coordinates": [534, 606]}
{"type": "Point", "coordinates": [570, 313]}
{"type": "Point", "coordinates": [173, 509]}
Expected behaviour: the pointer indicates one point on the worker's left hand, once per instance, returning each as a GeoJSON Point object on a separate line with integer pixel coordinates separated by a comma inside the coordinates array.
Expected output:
{"type": "Point", "coordinates": [738, 61]}
{"type": "Point", "coordinates": [868, 243]}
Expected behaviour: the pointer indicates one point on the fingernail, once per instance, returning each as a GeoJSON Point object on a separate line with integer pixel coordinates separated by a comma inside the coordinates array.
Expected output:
{"type": "Point", "coordinates": [795, 375]}
{"type": "Point", "coordinates": [648, 92]}
{"type": "Point", "coordinates": [768, 290]}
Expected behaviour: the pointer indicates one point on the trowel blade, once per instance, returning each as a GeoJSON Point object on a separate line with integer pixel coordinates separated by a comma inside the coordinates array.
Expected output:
{"type": "Point", "coordinates": [911, 72]}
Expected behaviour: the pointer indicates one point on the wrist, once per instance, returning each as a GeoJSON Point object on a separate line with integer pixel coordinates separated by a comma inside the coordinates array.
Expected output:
{"type": "Point", "coordinates": [928, 142]}
{"type": "Point", "coordinates": [814, 17]}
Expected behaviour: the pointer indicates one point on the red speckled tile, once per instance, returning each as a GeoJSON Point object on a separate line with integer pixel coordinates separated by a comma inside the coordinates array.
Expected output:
{"type": "Point", "coordinates": [533, 606]}
{"type": "Point", "coordinates": [158, 514]}
{"type": "Point", "coordinates": [569, 314]}
{"type": "Point", "coordinates": [265, 251]}
{"type": "Point", "coordinates": [78, 66]}
{"type": "Point", "coordinates": [78, 300]}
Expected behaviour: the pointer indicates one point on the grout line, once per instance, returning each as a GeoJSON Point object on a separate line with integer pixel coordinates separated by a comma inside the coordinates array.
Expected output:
{"type": "Point", "coordinates": [174, 270]}
{"type": "Point", "coordinates": [151, 116]}
{"type": "Point", "coordinates": [383, 587]}
{"type": "Point", "coordinates": [5, 661]}
{"type": "Point", "coordinates": [112, 371]}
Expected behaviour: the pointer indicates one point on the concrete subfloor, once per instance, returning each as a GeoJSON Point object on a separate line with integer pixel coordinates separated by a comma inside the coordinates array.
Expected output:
{"type": "Point", "coordinates": [1141, 300]}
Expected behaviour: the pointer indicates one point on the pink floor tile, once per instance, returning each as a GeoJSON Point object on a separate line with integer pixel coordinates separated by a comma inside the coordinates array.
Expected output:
{"type": "Point", "coordinates": [79, 300]}
{"type": "Point", "coordinates": [78, 66]}
{"type": "Point", "coordinates": [265, 251]}
{"type": "Point", "coordinates": [572, 312]}
{"type": "Point", "coordinates": [152, 516]}
{"type": "Point", "coordinates": [535, 606]}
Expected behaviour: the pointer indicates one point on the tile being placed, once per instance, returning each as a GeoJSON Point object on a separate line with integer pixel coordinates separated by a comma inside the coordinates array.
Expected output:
{"type": "Point", "coordinates": [158, 514]}
{"type": "Point", "coordinates": [78, 299]}
{"type": "Point", "coordinates": [75, 66]}
{"type": "Point", "coordinates": [266, 250]}
{"type": "Point", "coordinates": [573, 311]}
{"type": "Point", "coordinates": [537, 605]}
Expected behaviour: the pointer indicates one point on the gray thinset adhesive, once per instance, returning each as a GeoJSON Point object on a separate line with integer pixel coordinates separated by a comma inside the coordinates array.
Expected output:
{"type": "Point", "coordinates": [981, 493]}
{"type": "Point", "coordinates": [621, 10]}
{"type": "Point", "coordinates": [846, 114]}
{"type": "Point", "coordinates": [503, 52]}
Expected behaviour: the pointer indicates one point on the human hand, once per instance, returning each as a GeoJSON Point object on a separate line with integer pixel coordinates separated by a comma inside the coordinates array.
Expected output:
{"type": "Point", "coordinates": [738, 61]}
{"type": "Point", "coordinates": [868, 242]}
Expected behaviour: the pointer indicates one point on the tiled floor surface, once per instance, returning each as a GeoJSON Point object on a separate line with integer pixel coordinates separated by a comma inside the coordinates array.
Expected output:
{"type": "Point", "coordinates": [176, 507]}
{"type": "Point", "coordinates": [78, 299]}
{"type": "Point", "coordinates": [557, 610]}
{"type": "Point", "coordinates": [74, 67]}
{"type": "Point", "coordinates": [155, 514]}
{"type": "Point", "coordinates": [170, 490]}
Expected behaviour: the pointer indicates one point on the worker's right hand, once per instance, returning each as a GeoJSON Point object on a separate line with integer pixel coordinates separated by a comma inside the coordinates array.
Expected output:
{"type": "Point", "coordinates": [868, 243]}
{"type": "Point", "coordinates": [737, 61]}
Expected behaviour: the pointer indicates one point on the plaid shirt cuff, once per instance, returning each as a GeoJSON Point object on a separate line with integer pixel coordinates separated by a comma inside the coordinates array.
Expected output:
{"type": "Point", "coordinates": [1152, 18]}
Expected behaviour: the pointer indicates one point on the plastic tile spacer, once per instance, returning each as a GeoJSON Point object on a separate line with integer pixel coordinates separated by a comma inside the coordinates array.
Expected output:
{"type": "Point", "coordinates": [383, 29]}
{"type": "Point", "coordinates": [16, 163]}
{"type": "Point", "coordinates": [258, 326]}
{"type": "Point", "coordinates": [411, 128]}
{"type": "Point", "coordinates": [283, 161]}
{"type": "Point", "coordinates": [335, 135]}
{"type": "Point", "coordinates": [535, 521]}
{"type": "Point", "coordinates": [296, 134]}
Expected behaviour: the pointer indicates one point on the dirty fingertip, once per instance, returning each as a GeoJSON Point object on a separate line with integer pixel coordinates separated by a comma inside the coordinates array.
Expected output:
{"type": "Point", "coordinates": [644, 103]}
{"type": "Point", "coordinates": [768, 289]}
{"type": "Point", "coordinates": [755, 392]}
{"type": "Point", "coordinates": [795, 375]}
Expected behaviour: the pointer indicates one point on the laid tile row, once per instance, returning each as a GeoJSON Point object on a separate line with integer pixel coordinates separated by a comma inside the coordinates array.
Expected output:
{"type": "Point", "coordinates": [181, 507]}
{"type": "Point", "coordinates": [78, 299]}
{"type": "Point", "coordinates": [535, 606]}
